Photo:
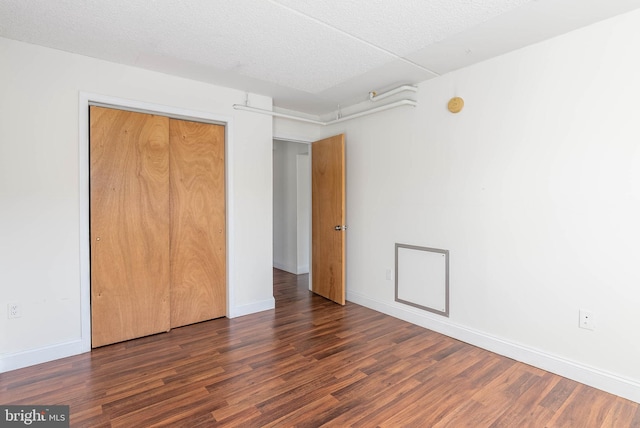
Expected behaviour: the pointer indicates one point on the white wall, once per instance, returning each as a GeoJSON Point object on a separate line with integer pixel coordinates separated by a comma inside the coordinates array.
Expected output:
{"type": "Point", "coordinates": [284, 207]}
{"type": "Point", "coordinates": [535, 190]}
{"type": "Point", "coordinates": [303, 205]}
{"type": "Point", "coordinates": [39, 190]}
{"type": "Point", "coordinates": [293, 130]}
{"type": "Point", "coordinates": [286, 233]}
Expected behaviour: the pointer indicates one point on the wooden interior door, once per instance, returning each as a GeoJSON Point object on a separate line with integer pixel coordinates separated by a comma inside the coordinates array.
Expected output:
{"type": "Point", "coordinates": [198, 238]}
{"type": "Point", "coordinates": [328, 218]}
{"type": "Point", "coordinates": [129, 232]}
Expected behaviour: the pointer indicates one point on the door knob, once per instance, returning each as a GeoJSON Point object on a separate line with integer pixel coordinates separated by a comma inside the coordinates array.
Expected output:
{"type": "Point", "coordinates": [338, 227]}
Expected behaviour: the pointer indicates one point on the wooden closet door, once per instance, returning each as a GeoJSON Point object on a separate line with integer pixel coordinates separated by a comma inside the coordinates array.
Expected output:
{"type": "Point", "coordinates": [198, 238]}
{"type": "Point", "coordinates": [129, 214]}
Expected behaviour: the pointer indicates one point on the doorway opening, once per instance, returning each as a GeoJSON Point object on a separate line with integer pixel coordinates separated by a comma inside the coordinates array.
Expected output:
{"type": "Point", "coordinates": [323, 174]}
{"type": "Point", "coordinates": [291, 206]}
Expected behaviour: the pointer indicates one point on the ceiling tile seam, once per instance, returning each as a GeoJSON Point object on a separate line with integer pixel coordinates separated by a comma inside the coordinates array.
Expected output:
{"type": "Point", "coordinates": [372, 45]}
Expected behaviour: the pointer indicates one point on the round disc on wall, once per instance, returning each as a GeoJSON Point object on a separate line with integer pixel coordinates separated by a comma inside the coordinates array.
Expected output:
{"type": "Point", "coordinates": [455, 104]}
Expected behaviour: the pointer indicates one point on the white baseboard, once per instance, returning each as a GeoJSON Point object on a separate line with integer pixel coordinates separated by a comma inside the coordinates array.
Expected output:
{"type": "Point", "coordinates": [54, 352]}
{"type": "Point", "coordinates": [22, 359]}
{"type": "Point", "coordinates": [303, 269]}
{"type": "Point", "coordinates": [591, 376]}
{"type": "Point", "coordinates": [41, 355]}
{"type": "Point", "coordinates": [252, 308]}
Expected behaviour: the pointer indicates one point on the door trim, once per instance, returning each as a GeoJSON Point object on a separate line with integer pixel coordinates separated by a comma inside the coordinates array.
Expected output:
{"type": "Point", "coordinates": [86, 99]}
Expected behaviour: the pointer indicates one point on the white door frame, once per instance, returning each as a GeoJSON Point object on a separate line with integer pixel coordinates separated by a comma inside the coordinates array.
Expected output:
{"type": "Point", "coordinates": [85, 100]}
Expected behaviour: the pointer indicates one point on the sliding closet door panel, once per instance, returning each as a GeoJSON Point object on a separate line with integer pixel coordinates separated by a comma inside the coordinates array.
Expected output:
{"type": "Point", "coordinates": [198, 241]}
{"type": "Point", "coordinates": [129, 180]}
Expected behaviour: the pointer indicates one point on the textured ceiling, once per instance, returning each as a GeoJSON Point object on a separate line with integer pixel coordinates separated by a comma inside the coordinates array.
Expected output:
{"type": "Point", "coordinates": [309, 55]}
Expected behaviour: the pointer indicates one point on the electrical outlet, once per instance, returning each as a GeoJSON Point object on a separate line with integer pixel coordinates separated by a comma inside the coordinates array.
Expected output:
{"type": "Point", "coordinates": [14, 310]}
{"type": "Point", "coordinates": [587, 320]}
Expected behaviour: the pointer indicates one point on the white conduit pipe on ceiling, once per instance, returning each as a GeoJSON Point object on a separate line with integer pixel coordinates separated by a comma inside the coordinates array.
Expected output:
{"type": "Point", "coordinates": [372, 96]}
{"type": "Point", "coordinates": [330, 122]}
{"type": "Point", "coordinates": [276, 114]}
{"type": "Point", "coordinates": [374, 110]}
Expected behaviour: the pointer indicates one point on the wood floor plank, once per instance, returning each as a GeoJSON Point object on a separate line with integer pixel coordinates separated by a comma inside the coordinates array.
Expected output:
{"type": "Point", "coordinates": [526, 410]}
{"type": "Point", "coordinates": [584, 407]}
{"type": "Point", "coordinates": [311, 363]}
{"type": "Point", "coordinates": [369, 407]}
{"type": "Point", "coordinates": [620, 414]}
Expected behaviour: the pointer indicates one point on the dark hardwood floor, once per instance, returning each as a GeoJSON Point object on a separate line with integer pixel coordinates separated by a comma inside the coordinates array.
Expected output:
{"type": "Point", "coordinates": [309, 363]}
